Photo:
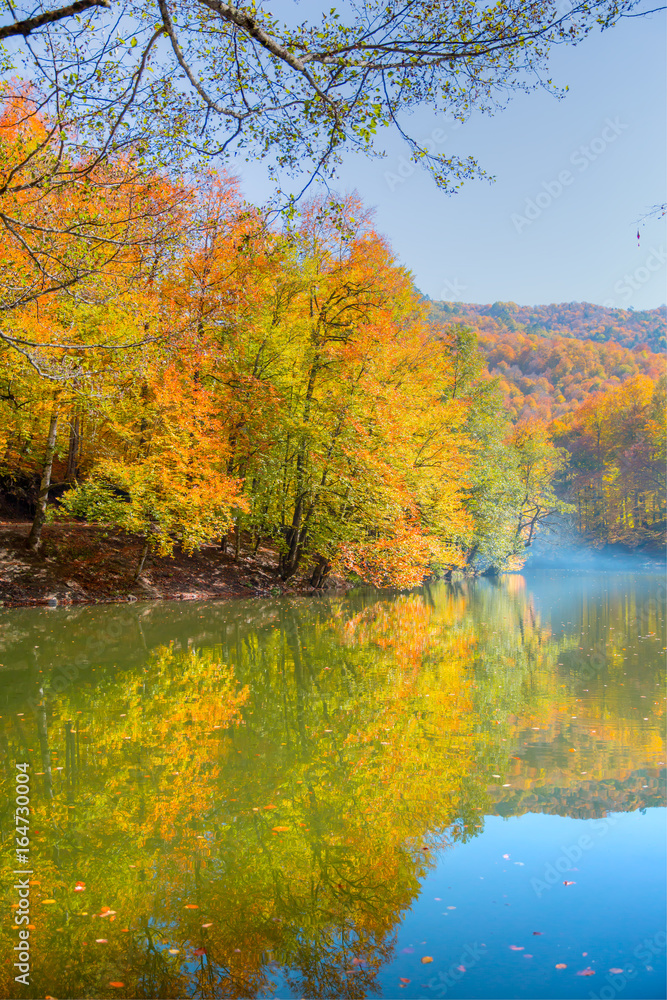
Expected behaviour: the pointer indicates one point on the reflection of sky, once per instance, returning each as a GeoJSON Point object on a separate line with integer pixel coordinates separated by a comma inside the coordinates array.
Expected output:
{"type": "Point", "coordinates": [617, 901]}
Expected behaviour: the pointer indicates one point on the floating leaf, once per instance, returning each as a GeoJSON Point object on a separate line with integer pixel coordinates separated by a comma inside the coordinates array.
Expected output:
{"type": "Point", "coordinates": [280, 829]}
{"type": "Point", "coordinates": [561, 965]}
{"type": "Point", "coordinates": [616, 972]}
{"type": "Point", "coordinates": [426, 959]}
{"type": "Point", "coordinates": [461, 968]}
{"type": "Point", "coordinates": [517, 947]}
{"type": "Point", "coordinates": [47, 901]}
{"type": "Point", "coordinates": [191, 906]}
{"type": "Point", "coordinates": [569, 883]}
{"type": "Point", "coordinates": [117, 985]}
{"type": "Point", "coordinates": [200, 951]}
{"type": "Point", "coordinates": [586, 972]}
{"type": "Point", "coordinates": [405, 980]}
{"type": "Point", "coordinates": [207, 925]}
{"type": "Point", "coordinates": [101, 941]}
{"type": "Point", "coordinates": [173, 951]}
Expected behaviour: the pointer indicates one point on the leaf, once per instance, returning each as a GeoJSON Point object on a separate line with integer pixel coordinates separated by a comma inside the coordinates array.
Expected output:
{"type": "Point", "coordinates": [200, 951]}
{"type": "Point", "coordinates": [616, 972]}
{"type": "Point", "coordinates": [191, 906]}
{"type": "Point", "coordinates": [569, 883]}
{"type": "Point", "coordinates": [426, 959]}
{"type": "Point", "coordinates": [47, 901]}
{"type": "Point", "coordinates": [101, 941]}
{"type": "Point", "coordinates": [405, 980]}
{"type": "Point", "coordinates": [517, 947]}
{"type": "Point", "coordinates": [586, 972]}
{"type": "Point", "coordinates": [116, 984]}
{"type": "Point", "coordinates": [561, 965]}
{"type": "Point", "coordinates": [280, 829]}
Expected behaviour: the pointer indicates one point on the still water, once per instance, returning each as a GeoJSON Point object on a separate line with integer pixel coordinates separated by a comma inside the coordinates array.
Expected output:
{"type": "Point", "coordinates": [457, 792]}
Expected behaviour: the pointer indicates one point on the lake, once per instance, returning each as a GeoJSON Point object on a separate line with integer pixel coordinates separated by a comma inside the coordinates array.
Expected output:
{"type": "Point", "coordinates": [454, 792]}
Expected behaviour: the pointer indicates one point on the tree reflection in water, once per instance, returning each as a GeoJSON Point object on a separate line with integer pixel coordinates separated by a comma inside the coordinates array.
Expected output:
{"type": "Point", "coordinates": [254, 792]}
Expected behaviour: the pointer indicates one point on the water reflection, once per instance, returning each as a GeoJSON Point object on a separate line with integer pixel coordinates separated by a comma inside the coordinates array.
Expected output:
{"type": "Point", "coordinates": [252, 794]}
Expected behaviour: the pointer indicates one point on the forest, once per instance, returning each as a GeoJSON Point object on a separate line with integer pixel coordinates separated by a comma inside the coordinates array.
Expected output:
{"type": "Point", "coordinates": [210, 376]}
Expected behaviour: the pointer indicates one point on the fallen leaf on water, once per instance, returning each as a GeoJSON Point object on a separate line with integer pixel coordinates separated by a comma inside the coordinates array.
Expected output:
{"type": "Point", "coordinates": [569, 883]}
{"type": "Point", "coordinates": [191, 906]}
{"type": "Point", "coordinates": [280, 829]}
{"type": "Point", "coordinates": [426, 959]}
{"type": "Point", "coordinates": [517, 947]}
{"type": "Point", "coordinates": [408, 951]}
{"type": "Point", "coordinates": [537, 933]}
{"type": "Point", "coordinates": [460, 968]}
{"type": "Point", "coordinates": [526, 955]}
{"type": "Point", "coordinates": [200, 951]}
{"type": "Point", "coordinates": [358, 961]}
{"type": "Point", "coordinates": [506, 856]}
{"type": "Point", "coordinates": [101, 941]}
{"type": "Point", "coordinates": [451, 907]}
{"type": "Point", "coordinates": [405, 980]}
{"type": "Point", "coordinates": [561, 965]}
{"type": "Point", "coordinates": [616, 972]}
{"type": "Point", "coordinates": [173, 951]}
{"type": "Point", "coordinates": [207, 925]}
{"type": "Point", "coordinates": [46, 901]}
{"type": "Point", "coordinates": [586, 972]}
{"type": "Point", "coordinates": [116, 985]}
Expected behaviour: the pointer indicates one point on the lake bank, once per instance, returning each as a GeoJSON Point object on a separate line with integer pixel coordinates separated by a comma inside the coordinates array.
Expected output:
{"type": "Point", "coordinates": [84, 564]}
{"type": "Point", "coordinates": [81, 564]}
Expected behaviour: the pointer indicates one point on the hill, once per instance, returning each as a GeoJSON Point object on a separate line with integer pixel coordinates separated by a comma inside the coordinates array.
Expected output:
{"type": "Point", "coordinates": [579, 320]}
{"type": "Point", "coordinates": [545, 368]}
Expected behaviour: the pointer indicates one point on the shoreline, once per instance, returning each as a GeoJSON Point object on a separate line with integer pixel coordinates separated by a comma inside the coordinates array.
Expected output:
{"type": "Point", "coordinates": [83, 564]}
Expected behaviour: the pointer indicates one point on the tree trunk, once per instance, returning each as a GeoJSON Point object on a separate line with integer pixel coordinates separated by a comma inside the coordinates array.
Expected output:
{"type": "Point", "coordinates": [320, 573]}
{"type": "Point", "coordinates": [74, 448]}
{"type": "Point", "coordinates": [34, 539]}
{"type": "Point", "coordinates": [142, 560]}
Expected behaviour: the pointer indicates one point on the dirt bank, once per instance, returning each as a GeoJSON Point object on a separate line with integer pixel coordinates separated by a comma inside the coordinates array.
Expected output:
{"type": "Point", "coordinates": [84, 564]}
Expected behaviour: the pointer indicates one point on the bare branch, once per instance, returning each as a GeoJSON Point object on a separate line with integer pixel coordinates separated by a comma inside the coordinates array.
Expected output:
{"type": "Point", "coordinates": [26, 27]}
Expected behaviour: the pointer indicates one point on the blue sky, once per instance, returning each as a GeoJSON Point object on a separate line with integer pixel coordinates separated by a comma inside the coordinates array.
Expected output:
{"type": "Point", "coordinates": [573, 177]}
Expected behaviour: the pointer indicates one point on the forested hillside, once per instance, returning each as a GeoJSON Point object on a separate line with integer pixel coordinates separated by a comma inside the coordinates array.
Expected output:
{"type": "Point", "coordinates": [581, 320]}
{"type": "Point", "coordinates": [599, 400]}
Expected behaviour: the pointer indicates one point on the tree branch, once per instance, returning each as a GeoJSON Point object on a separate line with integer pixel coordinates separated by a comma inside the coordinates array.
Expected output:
{"type": "Point", "coordinates": [31, 24]}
